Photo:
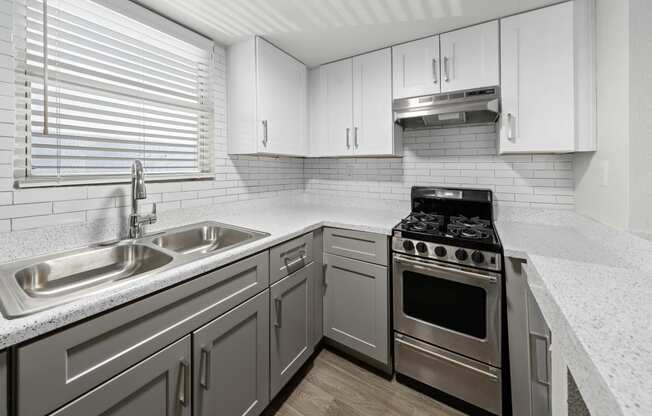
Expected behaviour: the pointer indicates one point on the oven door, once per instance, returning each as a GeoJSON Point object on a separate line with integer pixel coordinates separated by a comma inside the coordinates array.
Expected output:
{"type": "Point", "coordinates": [449, 306]}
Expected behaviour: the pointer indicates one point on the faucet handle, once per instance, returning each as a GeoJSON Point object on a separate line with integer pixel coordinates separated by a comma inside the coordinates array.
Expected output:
{"type": "Point", "coordinates": [154, 208]}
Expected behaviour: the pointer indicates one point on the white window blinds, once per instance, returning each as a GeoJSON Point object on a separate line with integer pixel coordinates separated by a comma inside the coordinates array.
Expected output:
{"type": "Point", "coordinates": [97, 89]}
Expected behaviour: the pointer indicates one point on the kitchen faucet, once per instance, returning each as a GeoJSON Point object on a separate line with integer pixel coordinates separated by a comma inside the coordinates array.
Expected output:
{"type": "Point", "coordinates": [138, 191]}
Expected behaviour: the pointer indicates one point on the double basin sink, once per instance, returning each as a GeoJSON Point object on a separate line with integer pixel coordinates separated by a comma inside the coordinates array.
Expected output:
{"type": "Point", "coordinates": [36, 284]}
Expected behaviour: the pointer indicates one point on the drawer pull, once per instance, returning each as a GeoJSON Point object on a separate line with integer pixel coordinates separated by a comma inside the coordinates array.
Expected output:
{"type": "Point", "coordinates": [290, 263]}
{"type": "Point", "coordinates": [205, 368]}
{"type": "Point", "coordinates": [278, 306]}
{"type": "Point", "coordinates": [184, 382]}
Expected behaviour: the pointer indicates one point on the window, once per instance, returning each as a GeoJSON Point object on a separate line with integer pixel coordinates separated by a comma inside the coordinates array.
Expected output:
{"type": "Point", "coordinates": [99, 84]}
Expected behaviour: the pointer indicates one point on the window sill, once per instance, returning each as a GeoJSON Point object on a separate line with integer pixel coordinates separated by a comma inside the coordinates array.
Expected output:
{"type": "Point", "coordinates": [84, 181]}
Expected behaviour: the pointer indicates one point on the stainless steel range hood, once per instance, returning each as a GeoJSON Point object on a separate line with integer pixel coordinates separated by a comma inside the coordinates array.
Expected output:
{"type": "Point", "coordinates": [478, 106]}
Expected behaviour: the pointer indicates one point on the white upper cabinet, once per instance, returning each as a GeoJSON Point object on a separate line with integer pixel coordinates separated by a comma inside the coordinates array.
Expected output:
{"type": "Point", "coordinates": [469, 57]}
{"type": "Point", "coordinates": [416, 68]}
{"type": "Point", "coordinates": [373, 129]}
{"type": "Point", "coordinates": [267, 98]}
{"type": "Point", "coordinates": [351, 107]}
{"type": "Point", "coordinates": [542, 108]}
{"type": "Point", "coordinates": [337, 84]}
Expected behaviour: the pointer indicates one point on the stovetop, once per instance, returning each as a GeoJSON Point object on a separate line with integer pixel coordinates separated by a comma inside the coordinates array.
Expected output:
{"type": "Point", "coordinates": [459, 230]}
{"type": "Point", "coordinates": [451, 216]}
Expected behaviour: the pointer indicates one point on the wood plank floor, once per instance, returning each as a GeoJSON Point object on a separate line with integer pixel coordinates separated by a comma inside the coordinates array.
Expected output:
{"type": "Point", "coordinates": [335, 386]}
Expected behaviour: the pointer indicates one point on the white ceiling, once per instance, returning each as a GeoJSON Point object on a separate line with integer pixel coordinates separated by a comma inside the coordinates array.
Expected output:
{"type": "Point", "coordinates": [319, 31]}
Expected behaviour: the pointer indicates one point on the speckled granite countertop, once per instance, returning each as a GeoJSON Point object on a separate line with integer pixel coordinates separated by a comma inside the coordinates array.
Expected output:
{"type": "Point", "coordinates": [282, 218]}
{"type": "Point", "coordinates": [594, 287]}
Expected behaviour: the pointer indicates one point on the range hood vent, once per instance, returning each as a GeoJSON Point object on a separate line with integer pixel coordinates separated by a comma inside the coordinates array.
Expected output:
{"type": "Point", "coordinates": [478, 106]}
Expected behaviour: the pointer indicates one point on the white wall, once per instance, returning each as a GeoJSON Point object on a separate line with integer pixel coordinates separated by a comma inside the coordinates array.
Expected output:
{"type": "Point", "coordinates": [464, 157]}
{"type": "Point", "coordinates": [602, 189]}
{"type": "Point", "coordinates": [235, 178]}
{"type": "Point", "coordinates": [624, 86]}
{"type": "Point", "coordinates": [640, 104]}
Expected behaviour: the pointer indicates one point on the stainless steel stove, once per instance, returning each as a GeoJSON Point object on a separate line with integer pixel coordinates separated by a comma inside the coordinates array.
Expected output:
{"type": "Point", "coordinates": [447, 295]}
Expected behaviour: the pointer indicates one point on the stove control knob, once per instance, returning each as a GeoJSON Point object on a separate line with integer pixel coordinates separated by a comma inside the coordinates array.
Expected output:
{"type": "Point", "coordinates": [440, 251]}
{"type": "Point", "coordinates": [422, 248]}
{"type": "Point", "coordinates": [477, 257]}
{"type": "Point", "coordinates": [461, 254]}
{"type": "Point", "coordinates": [408, 245]}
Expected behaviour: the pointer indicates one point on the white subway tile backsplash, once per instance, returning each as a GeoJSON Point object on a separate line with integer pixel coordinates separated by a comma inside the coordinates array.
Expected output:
{"type": "Point", "coordinates": [464, 157]}
{"type": "Point", "coordinates": [25, 210]}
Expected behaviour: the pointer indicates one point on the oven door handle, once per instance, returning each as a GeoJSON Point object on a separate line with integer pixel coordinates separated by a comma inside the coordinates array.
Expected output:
{"type": "Point", "coordinates": [430, 266]}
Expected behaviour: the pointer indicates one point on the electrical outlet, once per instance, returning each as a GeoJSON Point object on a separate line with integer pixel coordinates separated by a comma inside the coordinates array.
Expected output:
{"type": "Point", "coordinates": [604, 173]}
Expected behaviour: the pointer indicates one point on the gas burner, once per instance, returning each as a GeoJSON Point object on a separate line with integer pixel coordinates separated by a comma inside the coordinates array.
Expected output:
{"type": "Point", "coordinates": [423, 217]}
{"type": "Point", "coordinates": [466, 222]}
{"type": "Point", "coordinates": [471, 233]}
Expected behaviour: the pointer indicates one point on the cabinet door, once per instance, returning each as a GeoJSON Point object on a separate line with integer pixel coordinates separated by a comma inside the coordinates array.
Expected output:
{"type": "Point", "coordinates": [231, 361]}
{"type": "Point", "coordinates": [537, 81]}
{"type": "Point", "coordinates": [372, 103]}
{"type": "Point", "coordinates": [337, 81]}
{"type": "Point", "coordinates": [356, 306]}
{"type": "Point", "coordinates": [159, 385]}
{"type": "Point", "coordinates": [416, 67]}
{"type": "Point", "coordinates": [282, 94]}
{"type": "Point", "coordinates": [291, 302]}
{"type": "Point", "coordinates": [317, 127]}
{"type": "Point", "coordinates": [469, 57]}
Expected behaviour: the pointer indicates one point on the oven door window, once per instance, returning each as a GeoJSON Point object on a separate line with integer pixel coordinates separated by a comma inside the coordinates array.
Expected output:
{"type": "Point", "coordinates": [445, 303]}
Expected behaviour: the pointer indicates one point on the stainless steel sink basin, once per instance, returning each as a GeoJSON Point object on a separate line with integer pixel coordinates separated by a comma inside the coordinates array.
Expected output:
{"type": "Point", "coordinates": [32, 285]}
{"type": "Point", "coordinates": [89, 268]}
{"type": "Point", "coordinates": [35, 284]}
{"type": "Point", "coordinates": [205, 238]}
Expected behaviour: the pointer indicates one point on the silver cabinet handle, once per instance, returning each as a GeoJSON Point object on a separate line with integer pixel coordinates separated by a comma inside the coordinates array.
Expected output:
{"type": "Point", "coordinates": [510, 127]}
{"type": "Point", "coordinates": [348, 143]}
{"type": "Point", "coordinates": [434, 71]}
{"type": "Point", "coordinates": [355, 137]}
{"type": "Point", "coordinates": [265, 140]}
{"type": "Point", "coordinates": [184, 382]}
{"type": "Point", "coordinates": [539, 361]}
{"type": "Point", "coordinates": [290, 263]}
{"type": "Point", "coordinates": [446, 77]}
{"type": "Point", "coordinates": [278, 306]}
{"type": "Point", "coordinates": [205, 368]}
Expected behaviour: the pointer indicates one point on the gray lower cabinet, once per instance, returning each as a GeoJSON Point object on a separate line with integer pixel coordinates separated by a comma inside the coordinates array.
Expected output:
{"type": "Point", "coordinates": [67, 364]}
{"type": "Point", "coordinates": [291, 302]}
{"type": "Point", "coordinates": [231, 361]}
{"type": "Point", "coordinates": [540, 359]}
{"type": "Point", "coordinates": [159, 385]}
{"type": "Point", "coordinates": [4, 382]}
{"type": "Point", "coordinates": [356, 306]}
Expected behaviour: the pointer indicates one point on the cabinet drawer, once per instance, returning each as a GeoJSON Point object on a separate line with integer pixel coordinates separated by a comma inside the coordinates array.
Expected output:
{"type": "Point", "coordinates": [159, 385]}
{"type": "Point", "coordinates": [449, 372]}
{"type": "Point", "coordinates": [290, 256]}
{"type": "Point", "coordinates": [75, 360]}
{"type": "Point", "coordinates": [357, 245]}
